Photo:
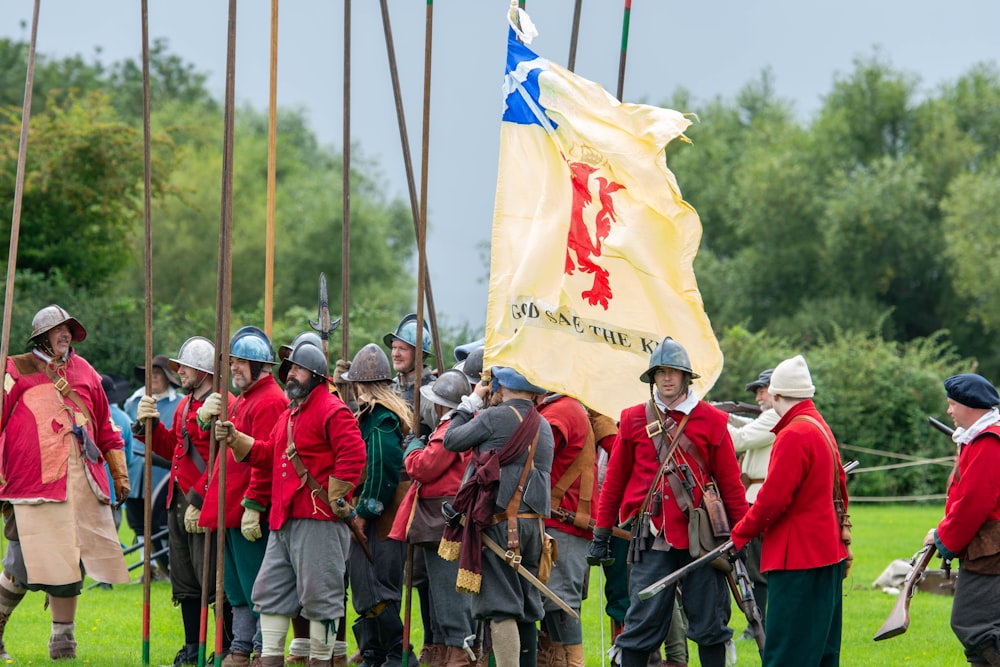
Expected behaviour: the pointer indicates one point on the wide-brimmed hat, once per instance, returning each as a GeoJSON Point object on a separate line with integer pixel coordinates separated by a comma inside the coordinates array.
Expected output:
{"type": "Point", "coordinates": [162, 362]}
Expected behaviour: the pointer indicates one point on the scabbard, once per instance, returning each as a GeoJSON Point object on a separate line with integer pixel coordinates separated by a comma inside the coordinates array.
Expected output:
{"type": "Point", "coordinates": [514, 561]}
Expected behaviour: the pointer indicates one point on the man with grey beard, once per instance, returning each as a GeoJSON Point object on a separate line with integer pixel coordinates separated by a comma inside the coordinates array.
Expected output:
{"type": "Point", "coordinates": [315, 455]}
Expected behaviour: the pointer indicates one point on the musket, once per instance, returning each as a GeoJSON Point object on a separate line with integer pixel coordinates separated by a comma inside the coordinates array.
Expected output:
{"type": "Point", "coordinates": [352, 523]}
{"type": "Point", "coordinates": [742, 588]}
{"type": "Point", "coordinates": [944, 428]}
{"type": "Point", "coordinates": [514, 560]}
{"type": "Point", "coordinates": [658, 586]}
{"type": "Point", "coordinates": [899, 618]}
{"type": "Point", "coordinates": [676, 575]}
{"type": "Point", "coordinates": [570, 518]}
{"type": "Point", "coordinates": [737, 407]}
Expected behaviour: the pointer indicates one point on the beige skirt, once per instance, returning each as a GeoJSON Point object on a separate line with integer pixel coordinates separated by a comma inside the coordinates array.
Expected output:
{"type": "Point", "coordinates": [57, 536]}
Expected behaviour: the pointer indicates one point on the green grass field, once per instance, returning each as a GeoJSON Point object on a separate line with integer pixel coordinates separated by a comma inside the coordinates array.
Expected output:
{"type": "Point", "coordinates": [109, 623]}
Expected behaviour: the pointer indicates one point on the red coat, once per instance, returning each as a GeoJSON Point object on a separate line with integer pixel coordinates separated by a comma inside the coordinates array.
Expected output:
{"type": "Point", "coordinates": [37, 429]}
{"type": "Point", "coordinates": [634, 464]}
{"type": "Point", "coordinates": [169, 443]}
{"type": "Point", "coordinates": [974, 495]}
{"type": "Point", "coordinates": [794, 508]}
{"type": "Point", "coordinates": [436, 473]}
{"type": "Point", "coordinates": [570, 432]}
{"type": "Point", "coordinates": [254, 412]}
{"type": "Point", "coordinates": [328, 442]}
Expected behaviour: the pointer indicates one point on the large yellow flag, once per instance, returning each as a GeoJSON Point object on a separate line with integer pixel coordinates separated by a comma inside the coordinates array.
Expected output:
{"type": "Point", "coordinates": [593, 245]}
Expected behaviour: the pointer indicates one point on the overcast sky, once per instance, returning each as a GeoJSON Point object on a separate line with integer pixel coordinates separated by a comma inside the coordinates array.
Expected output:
{"type": "Point", "coordinates": [710, 48]}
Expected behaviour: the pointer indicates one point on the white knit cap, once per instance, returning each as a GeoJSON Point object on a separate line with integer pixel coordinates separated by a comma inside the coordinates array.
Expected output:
{"type": "Point", "coordinates": [791, 378]}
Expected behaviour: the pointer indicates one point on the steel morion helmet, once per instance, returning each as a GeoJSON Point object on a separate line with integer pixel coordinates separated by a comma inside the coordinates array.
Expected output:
{"type": "Point", "coordinates": [306, 355]}
{"type": "Point", "coordinates": [407, 332]}
{"type": "Point", "coordinates": [448, 389]}
{"type": "Point", "coordinates": [52, 316]}
{"type": "Point", "coordinates": [251, 344]}
{"type": "Point", "coordinates": [670, 354]}
{"type": "Point", "coordinates": [370, 365]}
{"type": "Point", "coordinates": [198, 353]}
{"type": "Point", "coordinates": [310, 336]}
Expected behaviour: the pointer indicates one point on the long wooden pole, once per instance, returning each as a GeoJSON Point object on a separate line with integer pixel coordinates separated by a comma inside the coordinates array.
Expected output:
{"type": "Point", "coordinates": [147, 501]}
{"type": "Point", "coordinates": [224, 300]}
{"type": "Point", "coordinates": [272, 168]}
{"type": "Point", "coordinates": [626, 19]}
{"type": "Point", "coordinates": [345, 233]}
{"type": "Point", "coordinates": [574, 35]}
{"type": "Point", "coordinates": [408, 163]}
{"type": "Point", "coordinates": [15, 223]}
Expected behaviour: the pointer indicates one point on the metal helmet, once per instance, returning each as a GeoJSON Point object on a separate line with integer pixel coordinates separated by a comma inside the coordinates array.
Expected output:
{"type": "Point", "coordinates": [448, 389]}
{"type": "Point", "coordinates": [473, 365]}
{"type": "Point", "coordinates": [198, 353]}
{"type": "Point", "coordinates": [670, 354]}
{"type": "Point", "coordinates": [252, 344]}
{"type": "Point", "coordinates": [52, 316]}
{"type": "Point", "coordinates": [306, 355]}
{"type": "Point", "coordinates": [407, 332]}
{"type": "Point", "coordinates": [463, 351]}
{"type": "Point", "coordinates": [310, 336]}
{"type": "Point", "coordinates": [370, 365]}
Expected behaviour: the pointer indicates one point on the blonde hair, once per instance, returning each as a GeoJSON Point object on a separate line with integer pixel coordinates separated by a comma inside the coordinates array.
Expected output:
{"type": "Point", "coordinates": [371, 393]}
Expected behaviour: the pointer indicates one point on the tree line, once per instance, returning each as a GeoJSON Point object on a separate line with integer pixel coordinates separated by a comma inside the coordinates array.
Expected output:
{"type": "Point", "coordinates": [862, 237]}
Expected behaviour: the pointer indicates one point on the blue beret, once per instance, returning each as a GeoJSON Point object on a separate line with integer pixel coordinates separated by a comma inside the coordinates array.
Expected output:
{"type": "Point", "coordinates": [511, 379]}
{"type": "Point", "coordinates": [972, 390]}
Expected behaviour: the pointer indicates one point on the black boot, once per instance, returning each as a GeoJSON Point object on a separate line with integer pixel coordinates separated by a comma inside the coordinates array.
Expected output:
{"type": "Point", "coordinates": [629, 658]}
{"type": "Point", "coordinates": [712, 656]}
{"type": "Point", "coordinates": [529, 643]}
{"type": "Point", "coordinates": [188, 655]}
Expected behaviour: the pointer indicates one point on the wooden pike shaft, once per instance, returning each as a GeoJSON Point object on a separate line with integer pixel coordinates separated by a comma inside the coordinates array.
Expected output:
{"type": "Point", "coordinates": [147, 502]}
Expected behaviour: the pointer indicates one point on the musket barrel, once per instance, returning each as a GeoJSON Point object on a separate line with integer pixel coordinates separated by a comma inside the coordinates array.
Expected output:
{"type": "Point", "coordinates": [658, 586]}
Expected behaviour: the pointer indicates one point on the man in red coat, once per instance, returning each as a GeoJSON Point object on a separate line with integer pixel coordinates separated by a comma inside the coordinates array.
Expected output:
{"type": "Point", "coordinates": [574, 489]}
{"type": "Point", "coordinates": [315, 454]}
{"type": "Point", "coordinates": [970, 529]}
{"type": "Point", "coordinates": [186, 446]}
{"type": "Point", "coordinates": [803, 551]}
{"type": "Point", "coordinates": [57, 435]}
{"type": "Point", "coordinates": [248, 489]}
{"type": "Point", "coordinates": [704, 455]}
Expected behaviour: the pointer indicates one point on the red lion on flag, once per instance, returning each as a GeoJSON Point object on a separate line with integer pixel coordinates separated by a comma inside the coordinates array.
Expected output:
{"type": "Point", "coordinates": [579, 241]}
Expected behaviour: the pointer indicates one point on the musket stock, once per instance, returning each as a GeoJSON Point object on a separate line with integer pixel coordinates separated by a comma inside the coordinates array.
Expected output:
{"type": "Point", "coordinates": [899, 618]}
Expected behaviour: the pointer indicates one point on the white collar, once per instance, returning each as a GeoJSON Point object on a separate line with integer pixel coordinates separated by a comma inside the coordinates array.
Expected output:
{"type": "Point", "coordinates": [963, 436]}
{"type": "Point", "coordinates": [685, 406]}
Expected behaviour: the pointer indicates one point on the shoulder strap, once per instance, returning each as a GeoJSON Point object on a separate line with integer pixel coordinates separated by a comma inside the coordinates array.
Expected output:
{"type": "Point", "coordinates": [833, 452]}
{"type": "Point", "coordinates": [656, 433]}
{"type": "Point", "coordinates": [305, 477]}
{"type": "Point", "coordinates": [62, 386]}
{"type": "Point", "coordinates": [513, 535]}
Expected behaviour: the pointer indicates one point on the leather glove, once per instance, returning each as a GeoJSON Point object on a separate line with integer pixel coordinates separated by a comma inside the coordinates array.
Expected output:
{"type": "Point", "coordinates": [412, 444]}
{"type": "Point", "coordinates": [337, 491]}
{"type": "Point", "coordinates": [240, 443]}
{"type": "Point", "coordinates": [191, 516]}
{"type": "Point", "coordinates": [147, 409]}
{"type": "Point", "coordinates": [212, 407]}
{"type": "Point", "coordinates": [118, 468]}
{"type": "Point", "coordinates": [599, 552]}
{"type": "Point", "coordinates": [250, 525]}
{"type": "Point", "coordinates": [341, 367]}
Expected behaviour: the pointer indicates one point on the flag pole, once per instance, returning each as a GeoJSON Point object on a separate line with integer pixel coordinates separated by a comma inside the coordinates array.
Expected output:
{"type": "Point", "coordinates": [574, 35]}
{"type": "Point", "coordinates": [220, 380]}
{"type": "Point", "coordinates": [15, 223]}
{"type": "Point", "coordinates": [147, 501]}
{"type": "Point", "coordinates": [272, 168]}
{"type": "Point", "coordinates": [626, 18]}
{"type": "Point", "coordinates": [408, 163]}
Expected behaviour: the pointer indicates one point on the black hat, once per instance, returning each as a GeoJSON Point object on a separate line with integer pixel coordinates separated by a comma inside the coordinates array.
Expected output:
{"type": "Point", "coordinates": [115, 386]}
{"type": "Point", "coordinates": [972, 391]}
{"type": "Point", "coordinates": [763, 380]}
{"type": "Point", "coordinates": [162, 362]}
